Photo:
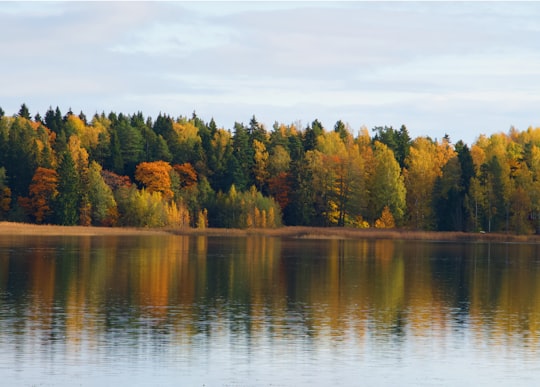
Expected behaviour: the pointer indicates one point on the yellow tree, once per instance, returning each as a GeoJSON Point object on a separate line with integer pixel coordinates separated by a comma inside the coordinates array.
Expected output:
{"type": "Point", "coordinates": [343, 156]}
{"type": "Point", "coordinates": [386, 220]}
{"type": "Point", "coordinates": [337, 172]}
{"type": "Point", "coordinates": [260, 166]}
{"type": "Point", "coordinates": [535, 188]}
{"type": "Point", "coordinates": [88, 135]}
{"type": "Point", "coordinates": [387, 187]}
{"type": "Point", "coordinates": [185, 142]}
{"type": "Point", "coordinates": [495, 185]}
{"type": "Point", "coordinates": [80, 157]}
{"type": "Point", "coordinates": [100, 196]}
{"type": "Point", "coordinates": [423, 165]}
{"type": "Point", "coordinates": [320, 183]}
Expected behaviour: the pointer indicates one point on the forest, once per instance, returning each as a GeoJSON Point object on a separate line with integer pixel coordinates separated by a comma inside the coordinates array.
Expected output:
{"type": "Point", "coordinates": [132, 170]}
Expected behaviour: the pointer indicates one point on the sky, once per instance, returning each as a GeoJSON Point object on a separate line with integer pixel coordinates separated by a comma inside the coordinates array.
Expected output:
{"type": "Point", "coordinates": [457, 68]}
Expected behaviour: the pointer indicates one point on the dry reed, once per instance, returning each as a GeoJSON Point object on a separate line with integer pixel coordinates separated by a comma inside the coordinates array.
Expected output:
{"type": "Point", "coordinates": [10, 228]}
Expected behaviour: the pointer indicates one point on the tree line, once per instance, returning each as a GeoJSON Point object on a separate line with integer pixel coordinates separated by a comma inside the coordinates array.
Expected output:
{"type": "Point", "coordinates": [131, 170]}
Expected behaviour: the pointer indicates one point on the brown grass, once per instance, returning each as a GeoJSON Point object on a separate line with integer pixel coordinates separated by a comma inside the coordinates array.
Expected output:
{"type": "Point", "coordinates": [351, 233]}
{"type": "Point", "coordinates": [10, 228]}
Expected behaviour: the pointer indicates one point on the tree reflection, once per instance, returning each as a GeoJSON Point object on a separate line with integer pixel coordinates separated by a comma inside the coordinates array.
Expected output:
{"type": "Point", "coordinates": [108, 288]}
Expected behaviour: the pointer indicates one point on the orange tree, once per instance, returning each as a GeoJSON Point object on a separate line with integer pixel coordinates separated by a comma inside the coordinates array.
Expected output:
{"type": "Point", "coordinates": [42, 192]}
{"type": "Point", "coordinates": [155, 176]}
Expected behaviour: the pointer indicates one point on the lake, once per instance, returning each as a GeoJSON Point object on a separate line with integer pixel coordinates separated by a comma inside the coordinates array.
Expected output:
{"type": "Point", "coordinates": [260, 311]}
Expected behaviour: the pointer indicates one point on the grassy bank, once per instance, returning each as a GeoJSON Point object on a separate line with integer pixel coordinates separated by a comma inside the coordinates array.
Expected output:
{"type": "Point", "coordinates": [9, 228]}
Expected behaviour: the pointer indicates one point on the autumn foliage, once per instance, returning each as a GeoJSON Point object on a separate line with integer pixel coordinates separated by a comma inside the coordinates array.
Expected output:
{"type": "Point", "coordinates": [42, 192]}
{"type": "Point", "coordinates": [132, 170]}
{"type": "Point", "coordinates": [386, 220]}
{"type": "Point", "coordinates": [155, 177]}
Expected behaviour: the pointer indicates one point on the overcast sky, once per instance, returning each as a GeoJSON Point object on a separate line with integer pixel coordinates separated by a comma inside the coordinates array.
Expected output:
{"type": "Point", "coordinates": [460, 68]}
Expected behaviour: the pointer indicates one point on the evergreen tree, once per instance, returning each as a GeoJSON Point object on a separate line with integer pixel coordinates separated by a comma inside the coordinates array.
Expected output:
{"type": "Point", "coordinates": [341, 129]}
{"type": "Point", "coordinates": [467, 174]}
{"type": "Point", "coordinates": [398, 141]}
{"type": "Point", "coordinates": [24, 112]}
{"type": "Point", "coordinates": [131, 144]}
{"type": "Point", "coordinates": [257, 132]}
{"type": "Point", "coordinates": [448, 198]}
{"type": "Point", "coordinates": [22, 156]}
{"type": "Point", "coordinates": [310, 135]}
{"type": "Point", "coordinates": [5, 194]}
{"type": "Point", "coordinates": [69, 192]}
{"type": "Point", "coordinates": [466, 163]}
{"type": "Point", "coordinates": [243, 158]}
{"type": "Point", "coordinates": [211, 159]}
{"type": "Point", "coordinates": [53, 120]}
{"type": "Point", "coordinates": [116, 161]}
{"type": "Point", "coordinates": [82, 116]}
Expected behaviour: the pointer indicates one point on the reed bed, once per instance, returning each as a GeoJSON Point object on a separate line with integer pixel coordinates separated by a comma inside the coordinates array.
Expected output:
{"type": "Point", "coordinates": [11, 228]}
{"type": "Point", "coordinates": [351, 233]}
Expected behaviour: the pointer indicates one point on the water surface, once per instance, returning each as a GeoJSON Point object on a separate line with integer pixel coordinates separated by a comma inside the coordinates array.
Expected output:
{"type": "Point", "coordinates": [258, 311]}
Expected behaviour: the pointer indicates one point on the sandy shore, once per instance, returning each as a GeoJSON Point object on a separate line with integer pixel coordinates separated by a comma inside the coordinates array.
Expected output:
{"type": "Point", "coordinates": [9, 228]}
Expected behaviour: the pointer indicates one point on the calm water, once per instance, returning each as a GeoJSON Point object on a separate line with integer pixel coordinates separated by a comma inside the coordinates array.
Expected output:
{"type": "Point", "coordinates": [194, 311]}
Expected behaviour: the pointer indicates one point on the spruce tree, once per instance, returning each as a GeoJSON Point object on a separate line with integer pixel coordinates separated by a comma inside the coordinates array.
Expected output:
{"type": "Point", "coordinates": [69, 192]}
{"type": "Point", "coordinates": [24, 112]}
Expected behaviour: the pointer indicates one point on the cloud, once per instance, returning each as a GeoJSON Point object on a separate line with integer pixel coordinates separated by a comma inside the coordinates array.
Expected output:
{"type": "Point", "coordinates": [173, 40]}
{"type": "Point", "coordinates": [438, 66]}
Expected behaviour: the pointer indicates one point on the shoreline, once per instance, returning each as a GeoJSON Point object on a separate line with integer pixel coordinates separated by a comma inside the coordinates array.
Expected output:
{"type": "Point", "coordinates": [301, 232]}
{"type": "Point", "coordinates": [298, 232]}
{"type": "Point", "coordinates": [30, 229]}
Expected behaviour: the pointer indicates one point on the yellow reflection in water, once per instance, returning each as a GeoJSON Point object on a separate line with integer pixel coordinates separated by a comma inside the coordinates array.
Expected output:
{"type": "Point", "coordinates": [331, 288]}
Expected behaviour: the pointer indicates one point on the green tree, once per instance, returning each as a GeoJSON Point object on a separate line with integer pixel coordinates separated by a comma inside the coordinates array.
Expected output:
{"type": "Point", "coordinates": [53, 120]}
{"type": "Point", "coordinates": [5, 195]}
{"type": "Point", "coordinates": [341, 129]}
{"type": "Point", "coordinates": [22, 156]}
{"type": "Point", "coordinates": [448, 197]}
{"type": "Point", "coordinates": [24, 112]}
{"type": "Point", "coordinates": [257, 131]}
{"type": "Point", "coordinates": [242, 158]}
{"type": "Point", "coordinates": [398, 141]}
{"type": "Point", "coordinates": [131, 144]}
{"type": "Point", "coordinates": [69, 191]}
{"type": "Point", "coordinates": [115, 160]}
{"type": "Point", "coordinates": [311, 134]}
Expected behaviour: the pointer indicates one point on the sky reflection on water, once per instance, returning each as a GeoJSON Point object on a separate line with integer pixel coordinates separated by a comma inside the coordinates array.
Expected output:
{"type": "Point", "coordinates": [265, 311]}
